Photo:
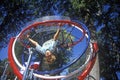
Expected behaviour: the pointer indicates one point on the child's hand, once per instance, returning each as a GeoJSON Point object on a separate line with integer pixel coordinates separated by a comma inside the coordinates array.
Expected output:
{"type": "Point", "coordinates": [28, 36]}
{"type": "Point", "coordinates": [60, 24]}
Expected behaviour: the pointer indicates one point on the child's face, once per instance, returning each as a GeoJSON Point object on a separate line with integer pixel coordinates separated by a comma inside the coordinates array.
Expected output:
{"type": "Point", "coordinates": [48, 53]}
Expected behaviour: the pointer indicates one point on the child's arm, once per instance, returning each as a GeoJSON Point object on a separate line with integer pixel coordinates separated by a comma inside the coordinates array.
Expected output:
{"type": "Point", "coordinates": [56, 34]}
{"type": "Point", "coordinates": [32, 41]}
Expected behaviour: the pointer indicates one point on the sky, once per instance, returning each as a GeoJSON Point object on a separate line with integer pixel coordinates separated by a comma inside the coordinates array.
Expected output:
{"type": "Point", "coordinates": [3, 53]}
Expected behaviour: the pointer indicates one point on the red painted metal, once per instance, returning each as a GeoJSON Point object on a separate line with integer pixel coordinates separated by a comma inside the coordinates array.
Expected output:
{"type": "Point", "coordinates": [47, 23]}
{"type": "Point", "coordinates": [80, 77]}
{"type": "Point", "coordinates": [90, 65]}
{"type": "Point", "coordinates": [11, 60]}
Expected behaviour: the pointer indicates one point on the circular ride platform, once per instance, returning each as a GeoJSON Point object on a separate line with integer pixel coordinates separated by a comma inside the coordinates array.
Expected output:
{"type": "Point", "coordinates": [75, 51]}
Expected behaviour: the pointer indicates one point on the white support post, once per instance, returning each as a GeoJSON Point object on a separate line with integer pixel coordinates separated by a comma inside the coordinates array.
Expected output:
{"type": "Point", "coordinates": [25, 74]}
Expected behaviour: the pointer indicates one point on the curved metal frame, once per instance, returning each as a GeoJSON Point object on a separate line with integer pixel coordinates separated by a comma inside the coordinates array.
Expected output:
{"type": "Point", "coordinates": [13, 60]}
{"type": "Point", "coordinates": [78, 26]}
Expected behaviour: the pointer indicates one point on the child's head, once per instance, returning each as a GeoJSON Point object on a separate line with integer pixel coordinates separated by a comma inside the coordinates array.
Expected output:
{"type": "Point", "coordinates": [50, 57]}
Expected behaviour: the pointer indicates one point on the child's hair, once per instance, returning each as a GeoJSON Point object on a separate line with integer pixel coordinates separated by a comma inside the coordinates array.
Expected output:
{"type": "Point", "coordinates": [51, 59]}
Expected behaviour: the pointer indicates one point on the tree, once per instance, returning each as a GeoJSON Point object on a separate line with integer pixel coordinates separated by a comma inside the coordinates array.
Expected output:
{"type": "Point", "coordinates": [105, 14]}
{"type": "Point", "coordinates": [101, 17]}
